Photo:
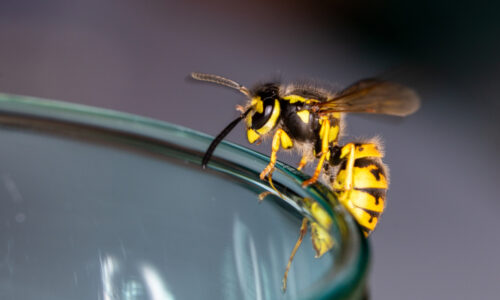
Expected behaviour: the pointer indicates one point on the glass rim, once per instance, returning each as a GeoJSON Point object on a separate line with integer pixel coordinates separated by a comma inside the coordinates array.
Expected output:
{"type": "Point", "coordinates": [345, 278]}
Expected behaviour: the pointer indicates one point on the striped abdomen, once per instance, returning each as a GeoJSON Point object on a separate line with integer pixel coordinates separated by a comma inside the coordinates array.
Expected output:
{"type": "Point", "coordinates": [366, 199]}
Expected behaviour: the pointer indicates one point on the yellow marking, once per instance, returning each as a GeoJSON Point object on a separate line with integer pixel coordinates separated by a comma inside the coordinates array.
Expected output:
{"type": "Point", "coordinates": [367, 150]}
{"type": "Point", "coordinates": [363, 179]}
{"type": "Point", "coordinates": [248, 120]}
{"type": "Point", "coordinates": [311, 101]}
{"type": "Point", "coordinates": [361, 216]}
{"type": "Point", "coordinates": [294, 98]}
{"type": "Point", "coordinates": [252, 135]}
{"type": "Point", "coordinates": [321, 239]}
{"type": "Point", "coordinates": [363, 150]}
{"type": "Point", "coordinates": [364, 218]}
{"type": "Point", "coordinates": [324, 131]}
{"type": "Point", "coordinates": [320, 215]}
{"type": "Point", "coordinates": [334, 133]}
{"type": "Point", "coordinates": [286, 141]}
{"type": "Point", "coordinates": [366, 179]}
{"type": "Point", "coordinates": [304, 115]}
{"type": "Point", "coordinates": [366, 200]}
{"type": "Point", "coordinates": [272, 120]}
{"type": "Point", "coordinates": [258, 104]}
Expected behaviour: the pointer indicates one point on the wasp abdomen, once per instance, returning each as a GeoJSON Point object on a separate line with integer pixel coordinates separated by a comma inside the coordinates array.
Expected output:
{"type": "Point", "coordinates": [361, 184]}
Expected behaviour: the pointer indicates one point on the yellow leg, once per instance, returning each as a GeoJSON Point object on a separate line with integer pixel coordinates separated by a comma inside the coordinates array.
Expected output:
{"type": "Point", "coordinates": [325, 130]}
{"type": "Point", "coordinates": [275, 147]}
{"type": "Point", "coordinates": [303, 162]}
{"type": "Point", "coordinates": [349, 167]}
{"type": "Point", "coordinates": [303, 231]}
{"type": "Point", "coordinates": [348, 153]}
{"type": "Point", "coordinates": [265, 194]}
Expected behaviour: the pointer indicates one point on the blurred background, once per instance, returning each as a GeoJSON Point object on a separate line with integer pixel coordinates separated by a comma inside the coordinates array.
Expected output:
{"type": "Point", "coordinates": [438, 236]}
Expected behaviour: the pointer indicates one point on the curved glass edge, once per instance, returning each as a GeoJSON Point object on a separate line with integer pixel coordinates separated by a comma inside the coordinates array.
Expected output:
{"type": "Point", "coordinates": [346, 282]}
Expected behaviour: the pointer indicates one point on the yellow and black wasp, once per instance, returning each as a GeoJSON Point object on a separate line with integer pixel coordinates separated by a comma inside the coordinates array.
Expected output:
{"type": "Point", "coordinates": [309, 119]}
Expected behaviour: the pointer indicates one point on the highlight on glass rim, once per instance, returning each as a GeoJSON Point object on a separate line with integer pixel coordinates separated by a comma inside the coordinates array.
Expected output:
{"type": "Point", "coordinates": [308, 119]}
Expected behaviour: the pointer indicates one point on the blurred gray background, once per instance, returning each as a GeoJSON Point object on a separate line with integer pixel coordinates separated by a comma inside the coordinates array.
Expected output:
{"type": "Point", "coordinates": [438, 237]}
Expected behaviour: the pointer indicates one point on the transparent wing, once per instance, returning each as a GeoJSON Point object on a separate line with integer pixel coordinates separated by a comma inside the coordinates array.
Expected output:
{"type": "Point", "coordinates": [372, 96]}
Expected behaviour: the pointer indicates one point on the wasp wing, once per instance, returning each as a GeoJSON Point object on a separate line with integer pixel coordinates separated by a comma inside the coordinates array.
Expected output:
{"type": "Point", "coordinates": [372, 96]}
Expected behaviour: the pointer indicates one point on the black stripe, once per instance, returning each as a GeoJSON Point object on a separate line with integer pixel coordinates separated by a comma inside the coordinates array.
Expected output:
{"type": "Point", "coordinates": [366, 162]}
{"type": "Point", "coordinates": [375, 192]}
{"type": "Point", "coordinates": [372, 213]}
{"type": "Point", "coordinates": [370, 161]}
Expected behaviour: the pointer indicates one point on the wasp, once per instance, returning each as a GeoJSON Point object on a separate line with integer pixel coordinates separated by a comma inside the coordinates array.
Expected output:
{"type": "Point", "coordinates": [310, 120]}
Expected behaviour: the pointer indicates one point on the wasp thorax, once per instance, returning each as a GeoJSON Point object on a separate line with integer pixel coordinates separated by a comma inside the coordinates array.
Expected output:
{"type": "Point", "coordinates": [264, 113]}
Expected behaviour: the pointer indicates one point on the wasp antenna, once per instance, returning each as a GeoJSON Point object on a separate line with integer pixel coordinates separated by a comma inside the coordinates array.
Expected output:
{"type": "Point", "coordinates": [221, 81]}
{"type": "Point", "coordinates": [220, 137]}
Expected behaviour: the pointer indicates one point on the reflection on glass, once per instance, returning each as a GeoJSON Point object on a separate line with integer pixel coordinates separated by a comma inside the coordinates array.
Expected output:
{"type": "Point", "coordinates": [131, 280]}
{"type": "Point", "coordinates": [109, 267]}
{"type": "Point", "coordinates": [155, 284]}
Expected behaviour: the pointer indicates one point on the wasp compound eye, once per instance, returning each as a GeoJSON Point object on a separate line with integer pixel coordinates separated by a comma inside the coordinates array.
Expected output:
{"type": "Point", "coordinates": [260, 119]}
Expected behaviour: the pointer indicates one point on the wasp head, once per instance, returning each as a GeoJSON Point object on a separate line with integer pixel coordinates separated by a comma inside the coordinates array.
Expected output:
{"type": "Point", "coordinates": [261, 114]}
{"type": "Point", "coordinates": [264, 111]}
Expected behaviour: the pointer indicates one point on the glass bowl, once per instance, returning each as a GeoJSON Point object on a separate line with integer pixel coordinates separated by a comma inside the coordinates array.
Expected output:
{"type": "Point", "coordinates": [98, 204]}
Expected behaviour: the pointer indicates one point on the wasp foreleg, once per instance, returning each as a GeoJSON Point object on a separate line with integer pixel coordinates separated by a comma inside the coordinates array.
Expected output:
{"type": "Point", "coordinates": [279, 138]}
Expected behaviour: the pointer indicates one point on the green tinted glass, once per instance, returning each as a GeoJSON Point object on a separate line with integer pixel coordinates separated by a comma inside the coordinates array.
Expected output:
{"type": "Point", "coordinates": [107, 205]}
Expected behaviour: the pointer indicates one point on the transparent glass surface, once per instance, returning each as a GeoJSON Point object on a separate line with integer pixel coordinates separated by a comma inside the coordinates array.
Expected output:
{"type": "Point", "coordinates": [97, 204]}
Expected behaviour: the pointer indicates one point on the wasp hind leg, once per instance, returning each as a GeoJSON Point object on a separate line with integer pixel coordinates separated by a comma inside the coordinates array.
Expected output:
{"type": "Point", "coordinates": [303, 232]}
{"type": "Point", "coordinates": [320, 233]}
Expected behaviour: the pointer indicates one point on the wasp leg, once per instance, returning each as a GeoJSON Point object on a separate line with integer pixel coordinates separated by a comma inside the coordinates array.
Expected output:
{"type": "Point", "coordinates": [265, 194]}
{"type": "Point", "coordinates": [321, 239]}
{"type": "Point", "coordinates": [303, 162]}
{"type": "Point", "coordinates": [303, 231]}
{"type": "Point", "coordinates": [349, 167]}
{"type": "Point", "coordinates": [320, 230]}
{"type": "Point", "coordinates": [324, 132]}
{"type": "Point", "coordinates": [277, 140]}
{"type": "Point", "coordinates": [348, 152]}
